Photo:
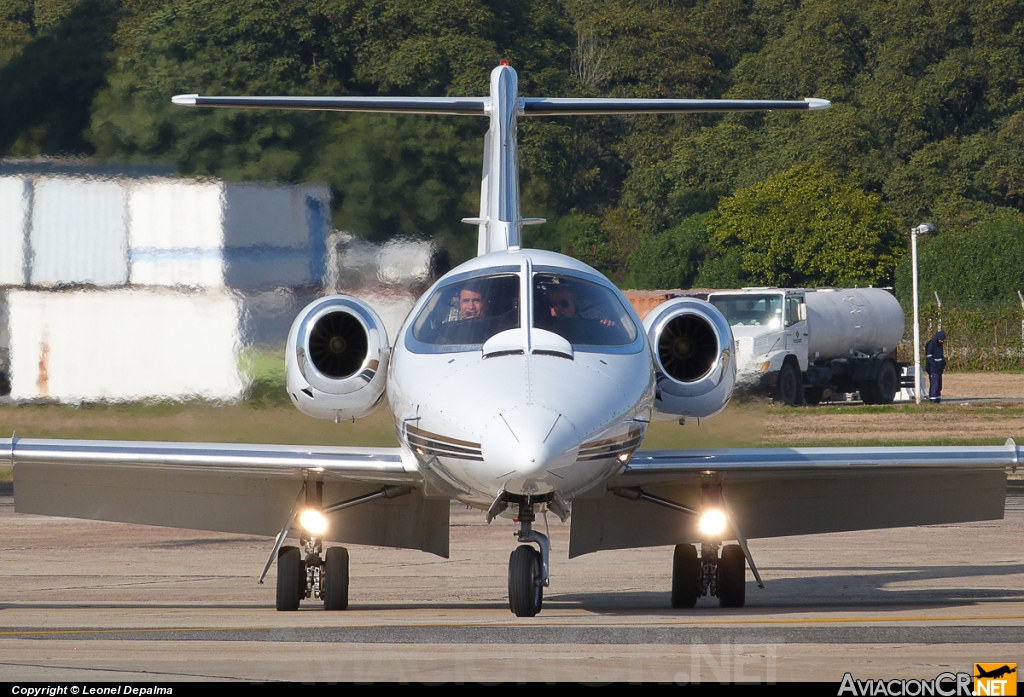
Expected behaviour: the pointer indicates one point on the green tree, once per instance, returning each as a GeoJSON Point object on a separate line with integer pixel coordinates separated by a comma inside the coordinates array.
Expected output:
{"type": "Point", "coordinates": [806, 227]}
{"type": "Point", "coordinates": [669, 259]}
{"type": "Point", "coordinates": [722, 271]}
{"type": "Point", "coordinates": [53, 60]}
{"type": "Point", "coordinates": [390, 176]}
{"type": "Point", "coordinates": [977, 269]}
{"type": "Point", "coordinates": [925, 102]}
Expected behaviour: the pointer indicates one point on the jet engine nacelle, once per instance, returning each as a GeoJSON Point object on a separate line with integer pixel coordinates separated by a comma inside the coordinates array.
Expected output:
{"type": "Point", "coordinates": [694, 358]}
{"type": "Point", "coordinates": [336, 359]}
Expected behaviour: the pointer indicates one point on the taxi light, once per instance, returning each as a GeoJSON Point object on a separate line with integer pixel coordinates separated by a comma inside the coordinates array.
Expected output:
{"type": "Point", "coordinates": [313, 521]}
{"type": "Point", "coordinates": [712, 523]}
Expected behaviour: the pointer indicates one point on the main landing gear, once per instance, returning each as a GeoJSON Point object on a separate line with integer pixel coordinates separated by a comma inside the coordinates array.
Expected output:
{"type": "Point", "coordinates": [307, 572]}
{"type": "Point", "coordinates": [719, 570]}
{"type": "Point", "coordinates": [710, 574]}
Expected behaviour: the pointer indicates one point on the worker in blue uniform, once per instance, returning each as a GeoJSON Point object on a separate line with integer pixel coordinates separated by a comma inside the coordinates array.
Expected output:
{"type": "Point", "coordinates": [935, 363]}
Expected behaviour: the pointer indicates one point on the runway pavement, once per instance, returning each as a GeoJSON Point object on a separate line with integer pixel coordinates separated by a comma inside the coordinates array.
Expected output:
{"type": "Point", "coordinates": [100, 601]}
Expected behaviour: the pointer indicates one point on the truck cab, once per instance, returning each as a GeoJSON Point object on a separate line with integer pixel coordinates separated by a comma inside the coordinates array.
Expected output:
{"type": "Point", "coordinates": [769, 326]}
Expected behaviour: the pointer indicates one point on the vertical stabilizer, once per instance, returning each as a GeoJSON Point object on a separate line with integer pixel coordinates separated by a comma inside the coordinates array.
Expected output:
{"type": "Point", "coordinates": [500, 219]}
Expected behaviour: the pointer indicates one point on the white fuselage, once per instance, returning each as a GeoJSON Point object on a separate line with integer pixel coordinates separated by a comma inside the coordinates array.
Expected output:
{"type": "Point", "coordinates": [527, 412]}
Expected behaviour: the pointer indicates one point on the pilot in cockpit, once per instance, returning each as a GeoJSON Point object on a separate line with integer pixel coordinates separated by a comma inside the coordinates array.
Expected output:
{"type": "Point", "coordinates": [471, 302]}
{"type": "Point", "coordinates": [562, 304]}
{"type": "Point", "coordinates": [468, 304]}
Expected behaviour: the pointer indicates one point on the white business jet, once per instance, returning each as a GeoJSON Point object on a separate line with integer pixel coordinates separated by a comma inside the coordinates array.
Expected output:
{"type": "Point", "coordinates": [521, 383]}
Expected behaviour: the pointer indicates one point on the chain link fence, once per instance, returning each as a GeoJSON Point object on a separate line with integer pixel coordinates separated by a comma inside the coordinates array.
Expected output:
{"type": "Point", "coordinates": [975, 339]}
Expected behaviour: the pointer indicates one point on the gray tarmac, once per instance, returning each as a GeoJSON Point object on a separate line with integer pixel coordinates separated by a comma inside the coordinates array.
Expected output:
{"type": "Point", "coordinates": [82, 600]}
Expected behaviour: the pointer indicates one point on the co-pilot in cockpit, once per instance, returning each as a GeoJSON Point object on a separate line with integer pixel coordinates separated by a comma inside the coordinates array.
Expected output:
{"type": "Point", "coordinates": [582, 312]}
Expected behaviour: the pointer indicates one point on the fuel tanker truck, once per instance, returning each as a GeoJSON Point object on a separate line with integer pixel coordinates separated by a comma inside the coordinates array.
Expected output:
{"type": "Point", "coordinates": [801, 342]}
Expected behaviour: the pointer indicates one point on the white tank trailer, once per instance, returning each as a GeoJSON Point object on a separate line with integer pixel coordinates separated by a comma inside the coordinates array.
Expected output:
{"type": "Point", "coordinates": [799, 343]}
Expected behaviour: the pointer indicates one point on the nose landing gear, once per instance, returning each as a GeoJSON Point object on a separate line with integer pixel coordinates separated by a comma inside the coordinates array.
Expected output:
{"type": "Point", "coordinates": [528, 567]}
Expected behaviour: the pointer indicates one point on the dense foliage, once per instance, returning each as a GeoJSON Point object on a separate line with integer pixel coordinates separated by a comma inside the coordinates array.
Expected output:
{"type": "Point", "coordinates": [975, 269]}
{"type": "Point", "coordinates": [805, 227]}
{"type": "Point", "coordinates": [927, 122]}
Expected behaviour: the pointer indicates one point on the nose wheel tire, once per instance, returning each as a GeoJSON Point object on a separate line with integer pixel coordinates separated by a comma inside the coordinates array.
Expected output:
{"type": "Point", "coordinates": [291, 578]}
{"type": "Point", "coordinates": [685, 576]}
{"type": "Point", "coordinates": [525, 596]}
{"type": "Point", "coordinates": [335, 582]}
{"type": "Point", "coordinates": [732, 577]}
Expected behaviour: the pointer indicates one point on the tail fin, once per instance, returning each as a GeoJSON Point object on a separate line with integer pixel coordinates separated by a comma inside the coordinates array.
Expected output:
{"type": "Point", "coordinates": [501, 221]}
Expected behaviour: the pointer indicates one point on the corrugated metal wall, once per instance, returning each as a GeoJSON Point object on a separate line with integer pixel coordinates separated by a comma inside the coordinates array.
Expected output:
{"type": "Point", "coordinates": [161, 231]}
{"type": "Point", "coordinates": [14, 206]}
{"type": "Point", "coordinates": [152, 284]}
{"type": "Point", "coordinates": [176, 233]}
{"type": "Point", "coordinates": [79, 232]}
{"type": "Point", "coordinates": [124, 344]}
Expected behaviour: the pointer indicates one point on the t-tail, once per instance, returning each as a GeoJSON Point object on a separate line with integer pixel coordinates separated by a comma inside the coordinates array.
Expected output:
{"type": "Point", "coordinates": [501, 221]}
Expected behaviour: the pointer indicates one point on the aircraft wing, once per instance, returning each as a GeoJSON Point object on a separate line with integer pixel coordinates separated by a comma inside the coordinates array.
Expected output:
{"type": "Point", "coordinates": [249, 489]}
{"type": "Point", "coordinates": [773, 492]}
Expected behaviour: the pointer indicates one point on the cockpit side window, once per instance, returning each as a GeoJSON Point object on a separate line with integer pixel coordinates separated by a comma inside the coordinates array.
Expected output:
{"type": "Point", "coordinates": [469, 312]}
{"type": "Point", "coordinates": [582, 312]}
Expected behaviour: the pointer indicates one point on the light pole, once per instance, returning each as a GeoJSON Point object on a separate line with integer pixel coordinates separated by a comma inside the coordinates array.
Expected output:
{"type": "Point", "coordinates": [922, 229]}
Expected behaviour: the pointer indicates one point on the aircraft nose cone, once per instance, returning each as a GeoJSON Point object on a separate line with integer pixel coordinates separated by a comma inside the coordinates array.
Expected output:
{"type": "Point", "coordinates": [521, 445]}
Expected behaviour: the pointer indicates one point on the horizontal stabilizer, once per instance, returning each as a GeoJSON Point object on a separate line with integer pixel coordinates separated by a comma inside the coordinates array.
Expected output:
{"type": "Point", "coordinates": [585, 107]}
{"type": "Point", "coordinates": [500, 220]}
{"type": "Point", "coordinates": [466, 106]}
{"type": "Point", "coordinates": [479, 106]}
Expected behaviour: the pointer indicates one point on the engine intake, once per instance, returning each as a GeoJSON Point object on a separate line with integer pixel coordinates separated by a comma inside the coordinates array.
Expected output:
{"type": "Point", "coordinates": [687, 348]}
{"type": "Point", "coordinates": [337, 358]}
{"type": "Point", "coordinates": [694, 358]}
{"type": "Point", "coordinates": [337, 344]}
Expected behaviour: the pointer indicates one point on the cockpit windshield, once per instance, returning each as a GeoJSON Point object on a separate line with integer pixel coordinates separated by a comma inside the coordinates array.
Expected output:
{"type": "Point", "coordinates": [468, 312]}
{"type": "Point", "coordinates": [750, 310]}
{"type": "Point", "coordinates": [582, 312]}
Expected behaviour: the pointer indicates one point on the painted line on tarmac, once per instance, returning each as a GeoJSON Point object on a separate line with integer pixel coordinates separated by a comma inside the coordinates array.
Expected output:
{"type": "Point", "coordinates": [500, 625]}
{"type": "Point", "coordinates": [548, 635]}
{"type": "Point", "coordinates": [838, 620]}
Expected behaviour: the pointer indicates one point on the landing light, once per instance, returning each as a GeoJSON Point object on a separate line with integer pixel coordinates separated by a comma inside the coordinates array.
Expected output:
{"type": "Point", "coordinates": [313, 521]}
{"type": "Point", "coordinates": [712, 523]}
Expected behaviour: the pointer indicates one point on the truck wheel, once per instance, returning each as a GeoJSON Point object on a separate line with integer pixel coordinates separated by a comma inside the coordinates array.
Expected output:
{"type": "Point", "coordinates": [886, 384]}
{"type": "Point", "coordinates": [787, 386]}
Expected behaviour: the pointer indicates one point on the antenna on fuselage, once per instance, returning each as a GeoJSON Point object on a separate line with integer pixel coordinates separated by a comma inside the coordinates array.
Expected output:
{"type": "Point", "coordinates": [500, 221]}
